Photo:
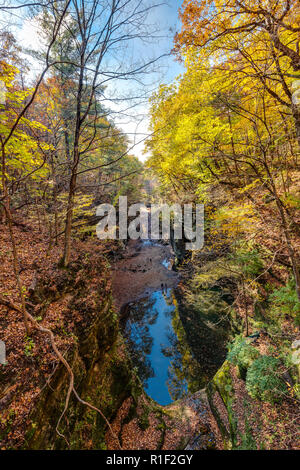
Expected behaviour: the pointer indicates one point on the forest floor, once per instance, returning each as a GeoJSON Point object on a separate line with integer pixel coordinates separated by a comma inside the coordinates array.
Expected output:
{"type": "Point", "coordinates": [185, 424]}
{"type": "Point", "coordinates": [31, 362]}
{"type": "Point", "coordinates": [262, 425]}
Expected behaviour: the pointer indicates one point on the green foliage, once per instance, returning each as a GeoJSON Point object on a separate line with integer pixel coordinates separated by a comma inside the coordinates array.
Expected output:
{"type": "Point", "coordinates": [284, 301]}
{"type": "Point", "coordinates": [263, 380]}
{"type": "Point", "coordinates": [241, 353]}
{"type": "Point", "coordinates": [143, 420]}
{"type": "Point", "coordinates": [29, 346]}
{"type": "Point", "coordinates": [250, 261]}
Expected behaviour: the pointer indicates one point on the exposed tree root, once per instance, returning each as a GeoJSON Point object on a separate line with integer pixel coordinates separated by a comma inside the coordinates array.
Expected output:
{"type": "Point", "coordinates": [71, 388]}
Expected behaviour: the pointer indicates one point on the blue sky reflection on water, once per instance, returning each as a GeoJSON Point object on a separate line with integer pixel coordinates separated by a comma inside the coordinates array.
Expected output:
{"type": "Point", "coordinates": [154, 345]}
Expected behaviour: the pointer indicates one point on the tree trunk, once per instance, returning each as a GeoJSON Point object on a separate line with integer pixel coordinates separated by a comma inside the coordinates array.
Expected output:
{"type": "Point", "coordinates": [296, 116]}
{"type": "Point", "coordinates": [69, 217]}
{"type": "Point", "coordinates": [76, 157]}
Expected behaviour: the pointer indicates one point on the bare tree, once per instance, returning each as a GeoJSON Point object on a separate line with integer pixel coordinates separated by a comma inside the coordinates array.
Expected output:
{"type": "Point", "coordinates": [104, 31]}
{"type": "Point", "coordinates": [4, 143]}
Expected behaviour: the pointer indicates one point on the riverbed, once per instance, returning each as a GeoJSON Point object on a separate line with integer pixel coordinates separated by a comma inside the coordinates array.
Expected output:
{"type": "Point", "coordinates": [157, 329]}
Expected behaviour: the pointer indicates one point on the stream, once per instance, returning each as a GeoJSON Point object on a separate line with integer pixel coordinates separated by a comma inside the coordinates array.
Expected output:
{"type": "Point", "coordinates": [153, 345]}
{"type": "Point", "coordinates": [162, 345]}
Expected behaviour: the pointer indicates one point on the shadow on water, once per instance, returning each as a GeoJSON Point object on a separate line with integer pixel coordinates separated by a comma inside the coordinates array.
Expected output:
{"type": "Point", "coordinates": [159, 348]}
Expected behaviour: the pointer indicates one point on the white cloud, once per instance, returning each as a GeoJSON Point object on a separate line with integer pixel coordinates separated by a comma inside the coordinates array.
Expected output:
{"type": "Point", "coordinates": [29, 38]}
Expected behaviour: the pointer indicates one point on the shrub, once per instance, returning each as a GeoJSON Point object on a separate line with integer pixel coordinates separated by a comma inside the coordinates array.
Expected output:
{"type": "Point", "coordinates": [249, 260]}
{"type": "Point", "coordinates": [284, 301]}
{"type": "Point", "coordinates": [241, 353]}
{"type": "Point", "coordinates": [263, 380]}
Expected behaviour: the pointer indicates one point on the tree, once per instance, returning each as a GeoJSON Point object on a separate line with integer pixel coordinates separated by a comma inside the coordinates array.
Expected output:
{"type": "Point", "coordinates": [13, 135]}
{"type": "Point", "coordinates": [253, 30]}
{"type": "Point", "coordinates": [94, 31]}
{"type": "Point", "coordinates": [221, 125]}
{"type": "Point", "coordinates": [21, 156]}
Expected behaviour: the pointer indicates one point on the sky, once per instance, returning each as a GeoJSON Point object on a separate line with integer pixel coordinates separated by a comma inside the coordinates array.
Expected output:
{"type": "Point", "coordinates": [131, 116]}
{"type": "Point", "coordinates": [167, 18]}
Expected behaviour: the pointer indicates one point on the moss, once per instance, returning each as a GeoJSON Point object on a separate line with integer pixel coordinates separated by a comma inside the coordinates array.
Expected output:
{"type": "Point", "coordinates": [182, 444]}
{"type": "Point", "coordinates": [7, 424]}
{"type": "Point", "coordinates": [162, 426]}
{"type": "Point", "coordinates": [102, 378]}
{"type": "Point", "coordinates": [247, 440]}
{"type": "Point", "coordinates": [222, 384]}
{"type": "Point", "coordinates": [143, 420]}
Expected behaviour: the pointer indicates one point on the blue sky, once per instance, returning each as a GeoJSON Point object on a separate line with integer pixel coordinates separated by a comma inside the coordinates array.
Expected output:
{"type": "Point", "coordinates": [135, 121]}
{"type": "Point", "coordinates": [167, 18]}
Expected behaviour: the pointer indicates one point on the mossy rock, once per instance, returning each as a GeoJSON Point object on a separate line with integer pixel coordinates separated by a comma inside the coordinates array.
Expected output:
{"type": "Point", "coordinates": [223, 385]}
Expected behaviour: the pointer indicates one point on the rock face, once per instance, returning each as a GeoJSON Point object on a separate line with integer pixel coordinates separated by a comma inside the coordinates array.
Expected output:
{"type": "Point", "coordinates": [103, 377]}
{"type": "Point", "coordinates": [2, 352]}
{"type": "Point", "coordinates": [220, 395]}
{"type": "Point", "coordinates": [296, 355]}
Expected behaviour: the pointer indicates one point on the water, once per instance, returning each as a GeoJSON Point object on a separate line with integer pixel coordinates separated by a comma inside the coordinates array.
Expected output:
{"type": "Point", "coordinates": [177, 347]}
{"type": "Point", "coordinates": [148, 242]}
{"type": "Point", "coordinates": [167, 263]}
{"type": "Point", "coordinates": [152, 332]}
